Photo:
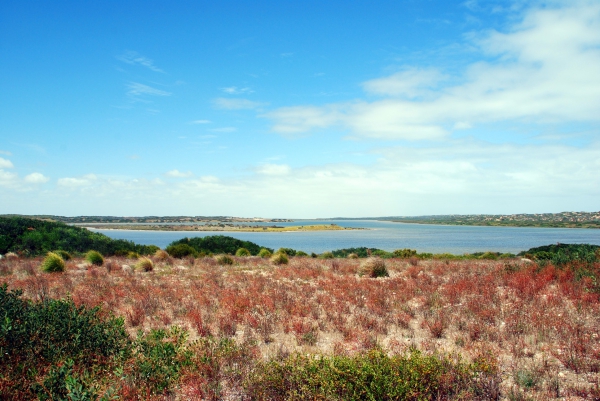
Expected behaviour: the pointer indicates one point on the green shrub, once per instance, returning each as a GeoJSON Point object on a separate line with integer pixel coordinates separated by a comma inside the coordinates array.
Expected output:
{"type": "Point", "coordinates": [404, 253]}
{"type": "Point", "coordinates": [161, 255]}
{"type": "Point", "coordinates": [94, 258]}
{"type": "Point", "coordinates": [53, 263]}
{"type": "Point", "coordinates": [242, 252]}
{"type": "Point", "coordinates": [133, 255]}
{"type": "Point", "coordinates": [301, 254]}
{"type": "Point", "coordinates": [373, 267]}
{"type": "Point", "coordinates": [144, 264]}
{"type": "Point", "coordinates": [216, 244]}
{"type": "Point", "coordinates": [287, 251]}
{"type": "Point", "coordinates": [224, 259]}
{"type": "Point", "coordinates": [280, 259]}
{"type": "Point", "coordinates": [264, 253]}
{"type": "Point", "coordinates": [326, 255]}
{"type": "Point", "coordinates": [372, 376]}
{"type": "Point", "coordinates": [181, 251]}
{"type": "Point", "coordinates": [352, 256]}
{"type": "Point", "coordinates": [63, 254]}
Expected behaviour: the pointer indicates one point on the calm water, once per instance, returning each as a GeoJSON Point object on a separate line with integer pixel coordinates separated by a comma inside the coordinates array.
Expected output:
{"type": "Point", "coordinates": [387, 236]}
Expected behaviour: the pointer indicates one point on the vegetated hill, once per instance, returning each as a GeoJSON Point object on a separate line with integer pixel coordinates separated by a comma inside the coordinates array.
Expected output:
{"type": "Point", "coordinates": [218, 244]}
{"type": "Point", "coordinates": [560, 254]}
{"type": "Point", "coordinates": [32, 237]}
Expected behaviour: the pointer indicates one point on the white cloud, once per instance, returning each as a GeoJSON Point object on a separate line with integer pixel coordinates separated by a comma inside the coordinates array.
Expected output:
{"type": "Point", "coordinates": [137, 89]}
{"type": "Point", "coordinates": [234, 90]}
{"type": "Point", "coordinates": [36, 178]}
{"type": "Point", "coordinates": [135, 58]}
{"type": "Point", "coordinates": [177, 173]}
{"type": "Point", "coordinates": [4, 163]}
{"type": "Point", "coordinates": [542, 70]}
{"type": "Point", "coordinates": [5, 152]}
{"type": "Point", "coordinates": [236, 104]}
{"type": "Point", "coordinates": [274, 169]}
{"type": "Point", "coordinates": [72, 182]}
{"type": "Point", "coordinates": [7, 179]}
{"type": "Point", "coordinates": [224, 129]}
{"type": "Point", "coordinates": [201, 122]}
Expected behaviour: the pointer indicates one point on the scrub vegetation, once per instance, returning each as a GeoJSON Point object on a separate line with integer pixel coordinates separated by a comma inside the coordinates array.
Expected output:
{"type": "Point", "coordinates": [470, 328]}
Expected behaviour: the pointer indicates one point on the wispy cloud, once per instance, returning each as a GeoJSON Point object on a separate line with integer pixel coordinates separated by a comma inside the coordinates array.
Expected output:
{"type": "Point", "coordinates": [224, 129]}
{"type": "Point", "coordinates": [5, 163]}
{"type": "Point", "coordinates": [136, 89]}
{"type": "Point", "coordinates": [72, 182]}
{"type": "Point", "coordinates": [36, 178]}
{"type": "Point", "coordinates": [274, 169]}
{"type": "Point", "coordinates": [201, 122]}
{"type": "Point", "coordinates": [541, 70]}
{"type": "Point", "coordinates": [5, 152]}
{"type": "Point", "coordinates": [234, 90]}
{"type": "Point", "coordinates": [178, 174]}
{"type": "Point", "coordinates": [134, 58]}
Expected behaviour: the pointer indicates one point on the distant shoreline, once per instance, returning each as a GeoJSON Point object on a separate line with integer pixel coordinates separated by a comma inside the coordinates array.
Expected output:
{"type": "Point", "coordinates": [220, 228]}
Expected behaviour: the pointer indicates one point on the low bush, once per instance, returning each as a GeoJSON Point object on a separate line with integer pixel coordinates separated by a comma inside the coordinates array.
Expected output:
{"type": "Point", "coordinates": [161, 255]}
{"type": "Point", "coordinates": [352, 256]}
{"type": "Point", "coordinates": [53, 263]}
{"type": "Point", "coordinates": [224, 260]}
{"type": "Point", "coordinates": [94, 258]}
{"type": "Point", "coordinates": [326, 255]}
{"type": "Point", "coordinates": [280, 259]}
{"type": "Point", "coordinates": [63, 254]}
{"type": "Point", "coordinates": [242, 252]}
{"type": "Point", "coordinates": [373, 267]}
{"type": "Point", "coordinates": [181, 251]}
{"type": "Point", "coordinates": [287, 251]}
{"type": "Point", "coordinates": [372, 376]}
{"type": "Point", "coordinates": [404, 253]}
{"type": "Point", "coordinates": [264, 253]}
{"type": "Point", "coordinates": [301, 254]}
{"type": "Point", "coordinates": [144, 264]}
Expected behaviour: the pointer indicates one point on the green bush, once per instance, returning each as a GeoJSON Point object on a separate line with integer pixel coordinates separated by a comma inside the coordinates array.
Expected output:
{"type": "Point", "coordinates": [404, 253]}
{"type": "Point", "coordinates": [37, 338]}
{"type": "Point", "coordinates": [94, 258]}
{"type": "Point", "coordinates": [242, 252]}
{"type": "Point", "coordinates": [144, 264]}
{"type": "Point", "coordinates": [264, 253]}
{"type": "Point", "coordinates": [224, 260]}
{"type": "Point", "coordinates": [181, 251]}
{"type": "Point", "coordinates": [216, 244]}
{"type": "Point", "coordinates": [287, 251]}
{"type": "Point", "coordinates": [372, 376]}
{"type": "Point", "coordinates": [53, 263]}
{"type": "Point", "coordinates": [280, 259]}
{"type": "Point", "coordinates": [301, 254]}
{"type": "Point", "coordinates": [63, 254]}
{"type": "Point", "coordinates": [373, 267]}
{"type": "Point", "coordinates": [326, 255]}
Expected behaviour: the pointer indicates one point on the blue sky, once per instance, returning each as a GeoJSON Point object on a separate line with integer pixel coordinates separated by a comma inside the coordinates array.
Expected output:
{"type": "Point", "coordinates": [299, 109]}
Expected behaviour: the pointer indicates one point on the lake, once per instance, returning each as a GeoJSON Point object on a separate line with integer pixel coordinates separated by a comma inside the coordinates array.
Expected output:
{"type": "Point", "coordinates": [387, 236]}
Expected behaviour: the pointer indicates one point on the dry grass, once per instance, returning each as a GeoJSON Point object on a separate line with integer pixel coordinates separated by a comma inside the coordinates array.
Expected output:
{"type": "Point", "coordinates": [541, 323]}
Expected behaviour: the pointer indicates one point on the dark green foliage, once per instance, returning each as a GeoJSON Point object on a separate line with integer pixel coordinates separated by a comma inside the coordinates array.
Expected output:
{"type": "Point", "coordinates": [36, 339]}
{"type": "Point", "coordinates": [53, 263]}
{"type": "Point", "coordinates": [362, 252]}
{"type": "Point", "coordinates": [404, 253]}
{"type": "Point", "coordinates": [32, 237]}
{"type": "Point", "coordinates": [371, 376]}
{"type": "Point", "coordinates": [218, 244]}
{"type": "Point", "coordinates": [287, 251]}
{"type": "Point", "coordinates": [181, 251]}
{"type": "Point", "coordinates": [301, 254]}
{"type": "Point", "coordinates": [562, 254]}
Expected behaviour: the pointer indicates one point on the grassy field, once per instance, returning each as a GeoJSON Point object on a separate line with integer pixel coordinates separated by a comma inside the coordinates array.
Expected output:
{"type": "Point", "coordinates": [315, 329]}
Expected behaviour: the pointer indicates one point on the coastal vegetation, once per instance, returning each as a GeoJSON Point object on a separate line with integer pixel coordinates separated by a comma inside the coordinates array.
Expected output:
{"type": "Point", "coordinates": [192, 328]}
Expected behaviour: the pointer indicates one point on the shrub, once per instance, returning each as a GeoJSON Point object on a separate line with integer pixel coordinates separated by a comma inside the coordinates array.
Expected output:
{"type": "Point", "coordinates": [161, 255]}
{"type": "Point", "coordinates": [181, 251]}
{"type": "Point", "coordinates": [94, 258]}
{"type": "Point", "coordinates": [280, 259]}
{"type": "Point", "coordinates": [133, 255]}
{"type": "Point", "coordinates": [53, 263]}
{"type": "Point", "coordinates": [11, 255]}
{"type": "Point", "coordinates": [287, 251]}
{"type": "Point", "coordinates": [242, 252]}
{"type": "Point", "coordinates": [224, 259]}
{"type": "Point", "coordinates": [301, 254]}
{"type": "Point", "coordinates": [326, 255]}
{"type": "Point", "coordinates": [489, 256]}
{"type": "Point", "coordinates": [63, 254]}
{"type": "Point", "coordinates": [264, 253]}
{"type": "Point", "coordinates": [373, 267]}
{"type": "Point", "coordinates": [217, 244]}
{"type": "Point", "coordinates": [352, 256]}
{"type": "Point", "coordinates": [404, 253]}
{"type": "Point", "coordinates": [144, 264]}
